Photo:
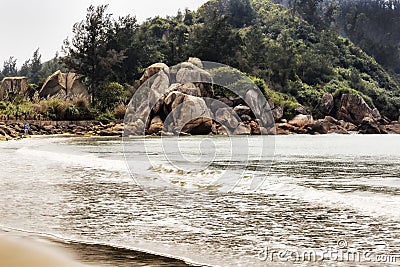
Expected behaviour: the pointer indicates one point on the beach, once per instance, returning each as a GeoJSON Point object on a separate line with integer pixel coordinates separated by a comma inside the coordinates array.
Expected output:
{"type": "Point", "coordinates": [20, 251]}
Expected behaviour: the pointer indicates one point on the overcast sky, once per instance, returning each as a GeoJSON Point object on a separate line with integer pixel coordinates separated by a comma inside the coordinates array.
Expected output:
{"type": "Point", "coordinates": [30, 24]}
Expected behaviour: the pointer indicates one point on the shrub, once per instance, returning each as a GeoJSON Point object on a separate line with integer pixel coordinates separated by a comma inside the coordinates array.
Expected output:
{"type": "Point", "coordinates": [109, 95]}
{"type": "Point", "coordinates": [105, 117]}
{"type": "Point", "coordinates": [119, 111]}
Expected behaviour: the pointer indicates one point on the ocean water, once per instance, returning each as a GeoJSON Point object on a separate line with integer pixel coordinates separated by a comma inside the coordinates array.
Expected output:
{"type": "Point", "coordinates": [117, 204]}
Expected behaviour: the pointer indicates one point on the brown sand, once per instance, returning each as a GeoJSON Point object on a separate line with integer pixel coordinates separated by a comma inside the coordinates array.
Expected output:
{"type": "Point", "coordinates": [23, 252]}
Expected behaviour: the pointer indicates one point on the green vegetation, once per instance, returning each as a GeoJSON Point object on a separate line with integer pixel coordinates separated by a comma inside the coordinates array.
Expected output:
{"type": "Point", "coordinates": [294, 51]}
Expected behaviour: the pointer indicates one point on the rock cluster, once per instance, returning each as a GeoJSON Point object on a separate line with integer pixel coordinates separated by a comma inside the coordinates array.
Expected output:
{"type": "Point", "coordinates": [15, 130]}
{"type": "Point", "coordinates": [181, 101]}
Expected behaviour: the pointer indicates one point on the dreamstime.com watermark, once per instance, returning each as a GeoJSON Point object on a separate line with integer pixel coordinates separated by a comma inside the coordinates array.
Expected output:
{"type": "Point", "coordinates": [340, 253]}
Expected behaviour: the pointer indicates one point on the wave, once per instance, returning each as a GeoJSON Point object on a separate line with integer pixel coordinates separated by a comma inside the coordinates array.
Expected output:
{"type": "Point", "coordinates": [83, 160]}
{"type": "Point", "coordinates": [370, 203]}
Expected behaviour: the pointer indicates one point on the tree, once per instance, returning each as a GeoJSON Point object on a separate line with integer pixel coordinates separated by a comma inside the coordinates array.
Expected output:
{"type": "Point", "coordinates": [88, 53]}
{"type": "Point", "coordinates": [51, 66]}
{"type": "Point", "coordinates": [215, 39]}
{"type": "Point", "coordinates": [240, 12]}
{"type": "Point", "coordinates": [35, 67]}
{"type": "Point", "coordinates": [10, 67]}
{"type": "Point", "coordinates": [24, 71]}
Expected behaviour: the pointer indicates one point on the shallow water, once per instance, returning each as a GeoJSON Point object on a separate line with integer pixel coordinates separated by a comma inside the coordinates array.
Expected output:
{"type": "Point", "coordinates": [316, 191]}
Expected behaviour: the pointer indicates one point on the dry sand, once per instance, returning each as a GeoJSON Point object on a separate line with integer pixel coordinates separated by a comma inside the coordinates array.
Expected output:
{"type": "Point", "coordinates": [16, 251]}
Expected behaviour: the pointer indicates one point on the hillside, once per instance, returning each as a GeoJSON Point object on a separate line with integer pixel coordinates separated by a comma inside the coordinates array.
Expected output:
{"type": "Point", "coordinates": [299, 60]}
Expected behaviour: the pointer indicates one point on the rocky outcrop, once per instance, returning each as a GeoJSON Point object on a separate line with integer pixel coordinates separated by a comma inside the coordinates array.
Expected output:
{"type": "Point", "coordinates": [327, 104]}
{"type": "Point", "coordinates": [181, 100]}
{"type": "Point", "coordinates": [354, 109]}
{"type": "Point", "coordinates": [11, 86]}
{"type": "Point", "coordinates": [66, 86]}
{"type": "Point", "coordinates": [151, 70]}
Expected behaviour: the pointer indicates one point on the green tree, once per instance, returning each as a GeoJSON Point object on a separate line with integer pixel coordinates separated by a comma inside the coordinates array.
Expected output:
{"type": "Point", "coordinates": [109, 96]}
{"type": "Point", "coordinates": [35, 67]}
{"type": "Point", "coordinates": [51, 66]}
{"type": "Point", "coordinates": [215, 39]}
{"type": "Point", "coordinates": [24, 70]}
{"type": "Point", "coordinates": [10, 67]}
{"type": "Point", "coordinates": [88, 53]}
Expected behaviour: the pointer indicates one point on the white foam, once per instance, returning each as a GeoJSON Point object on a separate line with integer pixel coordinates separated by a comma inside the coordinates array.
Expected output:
{"type": "Point", "coordinates": [370, 203]}
{"type": "Point", "coordinates": [82, 160]}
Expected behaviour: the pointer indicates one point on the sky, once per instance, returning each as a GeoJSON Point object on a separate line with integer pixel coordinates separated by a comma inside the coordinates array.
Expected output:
{"type": "Point", "coordinates": [30, 24]}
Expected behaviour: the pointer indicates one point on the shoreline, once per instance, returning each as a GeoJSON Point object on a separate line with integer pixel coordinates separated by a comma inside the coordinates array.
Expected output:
{"type": "Point", "coordinates": [20, 248]}
{"type": "Point", "coordinates": [11, 130]}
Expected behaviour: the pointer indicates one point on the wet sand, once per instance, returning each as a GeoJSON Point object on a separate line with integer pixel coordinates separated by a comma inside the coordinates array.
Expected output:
{"type": "Point", "coordinates": [24, 250]}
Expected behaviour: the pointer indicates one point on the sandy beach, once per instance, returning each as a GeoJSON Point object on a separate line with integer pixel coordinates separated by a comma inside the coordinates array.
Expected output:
{"type": "Point", "coordinates": [21, 251]}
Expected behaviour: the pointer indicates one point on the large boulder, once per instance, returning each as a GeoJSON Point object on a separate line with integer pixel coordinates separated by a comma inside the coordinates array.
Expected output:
{"type": "Point", "coordinates": [242, 110]}
{"type": "Point", "coordinates": [64, 86]}
{"type": "Point", "coordinates": [369, 126]}
{"type": "Point", "coordinates": [151, 70]}
{"type": "Point", "coordinates": [187, 113]}
{"type": "Point", "coordinates": [327, 103]}
{"type": "Point", "coordinates": [190, 73]}
{"type": "Point", "coordinates": [393, 127]}
{"type": "Point", "coordinates": [277, 112]}
{"type": "Point", "coordinates": [354, 109]}
{"type": "Point", "coordinates": [14, 86]}
{"type": "Point", "coordinates": [301, 120]}
{"type": "Point", "coordinates": [227, 117]}
{"type": "Point", "coordinates": [156, 125]}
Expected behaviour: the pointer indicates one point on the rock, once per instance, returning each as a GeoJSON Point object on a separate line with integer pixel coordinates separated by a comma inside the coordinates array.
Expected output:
{"type": "Point", "coordinates": [242, 110]}
{"type": "Point", "coordinates": [285, 128]}
{"type": "Point", "coordinates": [332, 120]}
{"type": "Point", "coordinates": [255, 128]}
{"type": "Point", "coordinates": [369, 126]}
{"type": "Point", "coordinates": [189, 89]}
{"type": "Point", "coordinates": [327, 103]}
{"type": "Point", "coordinates": [227, 117]}
{"type": "Point", "coordinates": [327, 126]}
{"type": "Point", "coordinates": [301, 110]}
{"type": "Point", "coordinates": [393, 128]}
{"type": "Point", "coordinates": [160, 86]}
{"type": "Point", "coordinates": [226, 101]}
{"type": "Point", "coordinates": [301, 120]}
{"type": "Point", "coordinates": [189, 73]}
{"type": "Point", "coordinates": [245, 118]}
{"type": "Point", "coordinates": [156, 125]}
{"type": "Point", "coordinates": [277, 113]}
{"type": "Point", "coordinates": [196, 61]}
{"type": "Point", "coordinates": [14, 86]}
{"type": "Point", "coordinates": [259, 107]}
{"type": "Point", "coordinates": [321, 127]}
{"type": "Point", "coordinates": [221, 130]}
{"type": "Point", "coordinates": [348, 126]}
{"type": "Point", "coordinates": [215, 105]}
{"type": "Point", "coordinates": [242, 129]}
{"type": "Point", "coordinates": [187, 113]}
{"type": "Point", "coordinates": [354, 109]}
{"type": "Point", "coordinates": [64, 86]}
{"type": "Point", "coordinates": [151, 70]}
{"type": "Point", "coordinates": [198, 126]}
